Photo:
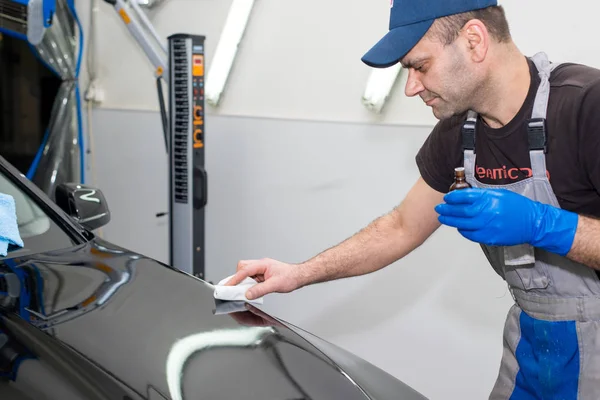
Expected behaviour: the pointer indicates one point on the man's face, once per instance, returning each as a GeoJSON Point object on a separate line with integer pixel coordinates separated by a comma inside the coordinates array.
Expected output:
{"type": "Point", "coordinates": [441, 75]}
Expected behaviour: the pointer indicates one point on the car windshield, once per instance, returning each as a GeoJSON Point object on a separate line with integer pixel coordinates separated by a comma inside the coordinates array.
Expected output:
{"type": "Point", "coordinates": [38, 231]}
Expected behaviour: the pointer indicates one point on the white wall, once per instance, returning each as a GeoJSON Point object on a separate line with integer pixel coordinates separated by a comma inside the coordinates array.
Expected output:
{"type": "Point", "coordinates": [282, 185]}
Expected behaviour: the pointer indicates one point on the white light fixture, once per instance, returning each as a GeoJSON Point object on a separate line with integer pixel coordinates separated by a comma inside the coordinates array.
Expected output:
{"type": "Point", "coordinates": [226, 50]}
{"type": "Point", "coordinates": [379, 85]}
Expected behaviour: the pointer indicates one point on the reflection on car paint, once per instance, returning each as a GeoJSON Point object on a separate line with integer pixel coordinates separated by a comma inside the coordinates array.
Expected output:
{"type": "Point", "coordinates": [26, 280]}
{"type": "Point", "coordinates": [194, 345]}
{"type": "Point", "coordinates": [100, 322]}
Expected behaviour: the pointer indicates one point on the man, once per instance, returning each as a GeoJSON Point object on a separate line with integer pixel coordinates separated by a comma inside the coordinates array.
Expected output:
{"type": "Point", "coordinates": [515, 124]}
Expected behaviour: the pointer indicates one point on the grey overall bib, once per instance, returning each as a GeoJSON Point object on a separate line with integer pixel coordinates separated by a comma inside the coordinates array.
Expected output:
{"type": "Point", "coordinates": [552, 332]}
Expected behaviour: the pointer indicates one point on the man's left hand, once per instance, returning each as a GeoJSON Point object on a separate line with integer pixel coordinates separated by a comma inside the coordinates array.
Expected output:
{"type": "Point", "coordinates": [499, 217]}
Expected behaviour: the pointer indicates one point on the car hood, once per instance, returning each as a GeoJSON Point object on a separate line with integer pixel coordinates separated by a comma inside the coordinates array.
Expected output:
{"type": "Point", "coordinates": [101, 322]}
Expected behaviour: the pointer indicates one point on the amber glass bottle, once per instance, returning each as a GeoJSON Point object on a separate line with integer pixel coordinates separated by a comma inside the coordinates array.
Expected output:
{"type": "Point", "coordinates": [459, 180]}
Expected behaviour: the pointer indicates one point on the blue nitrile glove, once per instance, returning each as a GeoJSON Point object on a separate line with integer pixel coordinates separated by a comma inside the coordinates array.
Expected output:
{"type": "Point", "coordinates": [499, 217]}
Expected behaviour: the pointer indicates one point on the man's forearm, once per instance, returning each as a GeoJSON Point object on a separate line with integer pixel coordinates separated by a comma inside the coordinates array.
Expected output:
{"type": "Point", "coordinates": [586, 245]}
{"type": "Point", "coordinates": [381, 243]}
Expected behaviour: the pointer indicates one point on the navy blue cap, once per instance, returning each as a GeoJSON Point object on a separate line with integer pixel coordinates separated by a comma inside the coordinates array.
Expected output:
{"type": "Point", "coordinates": [409, 22]}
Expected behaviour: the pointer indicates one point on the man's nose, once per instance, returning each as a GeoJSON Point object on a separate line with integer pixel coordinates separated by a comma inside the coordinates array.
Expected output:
{"type": "Point", "coordinates": [413, 84]}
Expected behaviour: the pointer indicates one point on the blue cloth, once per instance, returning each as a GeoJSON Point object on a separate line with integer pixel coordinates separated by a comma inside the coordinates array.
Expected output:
{"type": "Point", "coordinates": [409, 21]}
{"type": "Point", "coordinates": [499, 217]}
{"type": "Point", "coordinates": [548, 356]}
{"type": "Point", "coordinates": [9, 230]}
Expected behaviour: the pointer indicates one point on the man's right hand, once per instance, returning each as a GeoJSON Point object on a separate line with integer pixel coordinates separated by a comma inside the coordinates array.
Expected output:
{"type": "Point", "coordinates": [271, 275]}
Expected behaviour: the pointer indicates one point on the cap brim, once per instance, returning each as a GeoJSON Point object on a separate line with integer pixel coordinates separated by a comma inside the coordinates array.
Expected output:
{"type": "Point", "coordinates": [396, 44]}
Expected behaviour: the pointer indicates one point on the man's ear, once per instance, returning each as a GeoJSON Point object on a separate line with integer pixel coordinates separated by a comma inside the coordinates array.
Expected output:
{"type": "Point", "coordinates": [477, 38]}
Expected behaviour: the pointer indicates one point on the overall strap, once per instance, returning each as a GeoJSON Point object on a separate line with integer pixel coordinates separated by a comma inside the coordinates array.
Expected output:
{"type": "Point", "coordinates": [536, 126]}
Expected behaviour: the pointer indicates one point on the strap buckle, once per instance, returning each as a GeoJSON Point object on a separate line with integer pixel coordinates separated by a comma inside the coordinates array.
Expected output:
{"type": "Point", "coordinates": [536, 134]}
{"type": "Point", "coordinates": [468, 135]}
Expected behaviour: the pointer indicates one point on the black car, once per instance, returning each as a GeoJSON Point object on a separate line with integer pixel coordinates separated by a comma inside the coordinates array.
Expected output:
{"type": "Point", "coordinates": [82, 318]}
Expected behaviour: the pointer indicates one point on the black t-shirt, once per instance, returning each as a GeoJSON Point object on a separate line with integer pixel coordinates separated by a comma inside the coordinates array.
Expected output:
{"type": "Point", "coordinates": [502, 155]}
